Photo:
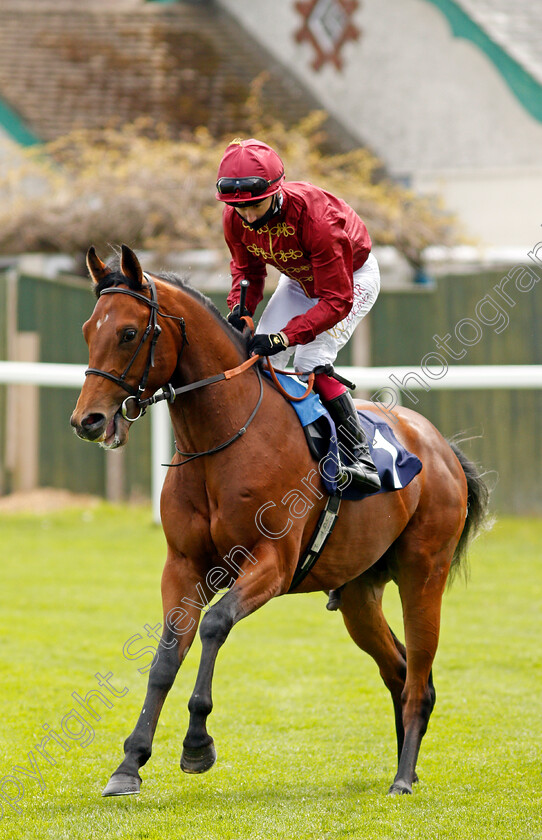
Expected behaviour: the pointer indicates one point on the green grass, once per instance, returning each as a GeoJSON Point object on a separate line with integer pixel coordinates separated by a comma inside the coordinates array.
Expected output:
{"type": "Point", "coordinates": [302, 723]}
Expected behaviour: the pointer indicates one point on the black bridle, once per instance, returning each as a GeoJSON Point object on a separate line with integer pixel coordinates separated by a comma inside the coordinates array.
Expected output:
{"type": "Point", "coordinates": [153, 330]}
{"type": "Point", "coordinates": [169, 393]}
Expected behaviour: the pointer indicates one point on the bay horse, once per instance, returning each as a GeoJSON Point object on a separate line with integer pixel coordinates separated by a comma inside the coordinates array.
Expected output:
{"type": "Point", "coordinates": [243, 447]}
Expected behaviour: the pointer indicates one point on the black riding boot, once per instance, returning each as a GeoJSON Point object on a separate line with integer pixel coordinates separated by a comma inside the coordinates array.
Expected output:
{"type": "Point", "coordinates": [362, 471]}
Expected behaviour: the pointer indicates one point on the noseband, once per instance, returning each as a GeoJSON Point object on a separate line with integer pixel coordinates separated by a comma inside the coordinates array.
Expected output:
{"type": "Point", "coordinates": [152, 329]}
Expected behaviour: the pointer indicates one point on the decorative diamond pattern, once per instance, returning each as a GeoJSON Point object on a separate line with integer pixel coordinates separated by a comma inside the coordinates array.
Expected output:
{"type": "Point", "coordinates": [327, 25]}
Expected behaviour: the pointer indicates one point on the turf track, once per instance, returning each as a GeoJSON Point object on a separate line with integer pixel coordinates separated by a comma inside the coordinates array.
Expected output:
{"type": "Point", "coordinates": [302, 723]}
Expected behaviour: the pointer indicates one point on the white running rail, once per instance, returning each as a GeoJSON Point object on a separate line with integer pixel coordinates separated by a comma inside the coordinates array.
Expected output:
{"type": "Point", "coordinates": [370, 378]}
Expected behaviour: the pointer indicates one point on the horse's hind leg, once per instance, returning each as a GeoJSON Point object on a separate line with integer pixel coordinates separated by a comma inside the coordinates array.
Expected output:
{"type": "Point", "coordinates": [421, 578]}
{"type": "Point", "coordinates": [361, 606]}
{"type": "Point", "coordinates": [398, 706]}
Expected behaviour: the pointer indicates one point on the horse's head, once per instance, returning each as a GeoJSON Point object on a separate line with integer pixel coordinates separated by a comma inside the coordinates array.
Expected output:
{"type": "Point", "coordinates": [122, 334]}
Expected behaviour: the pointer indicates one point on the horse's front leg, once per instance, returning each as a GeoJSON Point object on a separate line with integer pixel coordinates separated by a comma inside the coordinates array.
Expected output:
{"type": "Point", "coordinates": [180, 600]}
{"type": "Point", "coordinates": [259, 581]}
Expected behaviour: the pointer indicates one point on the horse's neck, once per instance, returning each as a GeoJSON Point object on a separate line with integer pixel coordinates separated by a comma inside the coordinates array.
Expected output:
{"type": "Point", "coordinates": [201, 416]}
{"type": "Point", "coordinates": [208, 348]}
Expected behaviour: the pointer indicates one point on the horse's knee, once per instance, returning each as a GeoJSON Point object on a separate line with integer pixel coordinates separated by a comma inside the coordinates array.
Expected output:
{"type": "Point", "coordinates": [216, 624]}
{"type": "Point", "coordinates": [164, 666]}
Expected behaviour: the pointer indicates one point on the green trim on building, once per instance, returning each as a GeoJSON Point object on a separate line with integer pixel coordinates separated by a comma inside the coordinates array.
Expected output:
{"type": "Point", "coordinates": [524, 86]}
{"type": "Point", "coordinates": [16, 129]}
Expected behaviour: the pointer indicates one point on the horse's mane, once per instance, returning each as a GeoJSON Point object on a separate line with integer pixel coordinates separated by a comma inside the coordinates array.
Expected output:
{"type": "Point", "coordinates": [116, 278]}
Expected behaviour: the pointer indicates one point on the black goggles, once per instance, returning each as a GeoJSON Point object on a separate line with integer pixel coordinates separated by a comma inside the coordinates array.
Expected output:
{"type": "Point", "coordinates": [253, 185]}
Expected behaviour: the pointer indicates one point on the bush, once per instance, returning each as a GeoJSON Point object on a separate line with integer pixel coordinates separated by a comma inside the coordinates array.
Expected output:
{"type": "Point", "coordinates": [138, 185]}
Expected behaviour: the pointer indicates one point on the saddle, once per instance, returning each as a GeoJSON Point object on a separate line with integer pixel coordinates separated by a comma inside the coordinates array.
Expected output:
{"type": "Point", "coordinates": [395, 464]}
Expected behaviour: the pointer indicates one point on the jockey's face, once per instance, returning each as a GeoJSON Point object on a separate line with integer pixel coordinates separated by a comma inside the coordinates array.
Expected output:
{"type": "Point", "coordinates": [254, 212]}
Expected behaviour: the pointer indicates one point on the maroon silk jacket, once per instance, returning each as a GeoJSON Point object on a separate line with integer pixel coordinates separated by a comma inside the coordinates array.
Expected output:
{"type": "Point", "coordinates": [317, 240]}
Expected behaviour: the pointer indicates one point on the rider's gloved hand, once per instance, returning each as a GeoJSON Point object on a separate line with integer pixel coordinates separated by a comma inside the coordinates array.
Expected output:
{"type": "Point", "coordinates": [234, 318]}
{"type": "Point", "coordinates": [267, 345]}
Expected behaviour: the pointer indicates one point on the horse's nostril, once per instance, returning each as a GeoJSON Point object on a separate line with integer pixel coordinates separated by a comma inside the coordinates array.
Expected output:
{"type": "Point", "coordinates": [92, 421]}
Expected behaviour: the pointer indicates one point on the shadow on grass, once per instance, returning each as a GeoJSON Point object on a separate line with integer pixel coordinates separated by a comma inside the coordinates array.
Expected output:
{"type": "Point", "coordinates": [248, 797]}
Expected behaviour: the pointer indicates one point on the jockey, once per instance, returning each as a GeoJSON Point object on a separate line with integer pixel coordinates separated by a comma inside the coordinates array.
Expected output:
{"type": "Point", "coordinates": [329, 279]}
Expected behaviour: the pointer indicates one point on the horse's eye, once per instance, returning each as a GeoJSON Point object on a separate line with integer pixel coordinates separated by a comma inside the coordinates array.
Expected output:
{"type": "Point", "coordinates": [128, 335]}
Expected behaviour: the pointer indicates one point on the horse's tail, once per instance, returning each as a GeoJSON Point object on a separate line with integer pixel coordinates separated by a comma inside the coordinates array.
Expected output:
{"type": "Point", "coordinates": [477, 511]}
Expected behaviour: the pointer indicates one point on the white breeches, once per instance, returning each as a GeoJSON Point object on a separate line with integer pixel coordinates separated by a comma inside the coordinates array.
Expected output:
{"type": "Point", "coordinates": [290, 300]}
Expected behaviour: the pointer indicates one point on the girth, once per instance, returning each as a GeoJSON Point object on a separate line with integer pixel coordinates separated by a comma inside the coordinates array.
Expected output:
{"type": "Point", "coordinates": [322, 532]}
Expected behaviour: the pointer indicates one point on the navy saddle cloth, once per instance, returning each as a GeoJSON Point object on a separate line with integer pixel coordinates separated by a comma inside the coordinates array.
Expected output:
{"type": "Point", "coordinates": [396, 465]}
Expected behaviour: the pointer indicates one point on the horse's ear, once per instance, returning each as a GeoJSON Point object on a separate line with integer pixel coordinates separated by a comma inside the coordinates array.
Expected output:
{"type": "Point", "coordinates": [131, 268]}
{"type": "Point", "coordinates": [97, 269]}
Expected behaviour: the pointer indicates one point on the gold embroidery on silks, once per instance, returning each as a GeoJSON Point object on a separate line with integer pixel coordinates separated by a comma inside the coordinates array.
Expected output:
{"type": "Point", "coordinates": [259, 252]}
{"type": "Point", "coordinates": [278, 257]}
{"type": "Point", "coordinates": [283, 256]}
{"type": "Point", "coordinates": [288, 255]}
{"type": "Point", "coordinates": [282, 229]}
{"type": "Point", "coordinates": [264, 229]}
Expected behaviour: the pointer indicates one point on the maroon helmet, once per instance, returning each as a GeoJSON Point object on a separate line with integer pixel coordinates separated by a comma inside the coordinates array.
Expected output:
{"type": "Point", "coordinates": [249, 171]}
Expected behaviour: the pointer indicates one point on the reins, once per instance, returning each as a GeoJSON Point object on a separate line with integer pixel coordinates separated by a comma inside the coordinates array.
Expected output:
{"type": "Point", "coordinates": [190, 456]}
{"type": "Point", "coordinates": [170, 393]}
{"type": "Point", "coordinates": [282, 390]}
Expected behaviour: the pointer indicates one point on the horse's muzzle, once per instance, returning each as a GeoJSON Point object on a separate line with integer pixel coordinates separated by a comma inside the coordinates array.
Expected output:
{"type": "Point", "coordinates": [110, 432]}
{"type": "Point", "coordinates": [91, 427]}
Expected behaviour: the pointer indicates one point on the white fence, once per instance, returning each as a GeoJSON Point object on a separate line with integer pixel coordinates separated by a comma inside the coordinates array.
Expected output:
{"type": "Point", "coordinates": [73, 376]}
{"type": "Point", "coordinates": [370, 379]}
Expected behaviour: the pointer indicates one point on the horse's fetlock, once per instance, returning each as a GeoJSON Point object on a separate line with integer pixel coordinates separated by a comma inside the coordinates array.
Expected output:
{"type": "Point", "coordinates": [200, 706]}
{"type": "Point", "coordinates": [136, 753]}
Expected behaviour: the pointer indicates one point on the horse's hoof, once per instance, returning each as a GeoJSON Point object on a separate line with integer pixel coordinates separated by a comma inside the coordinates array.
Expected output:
{"type": "Point", "coordinates": [198, 761]}
{"type": "Point", "coordinates": [399, 788]}
{"type": "Point", "coordinates": [121, 784]}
